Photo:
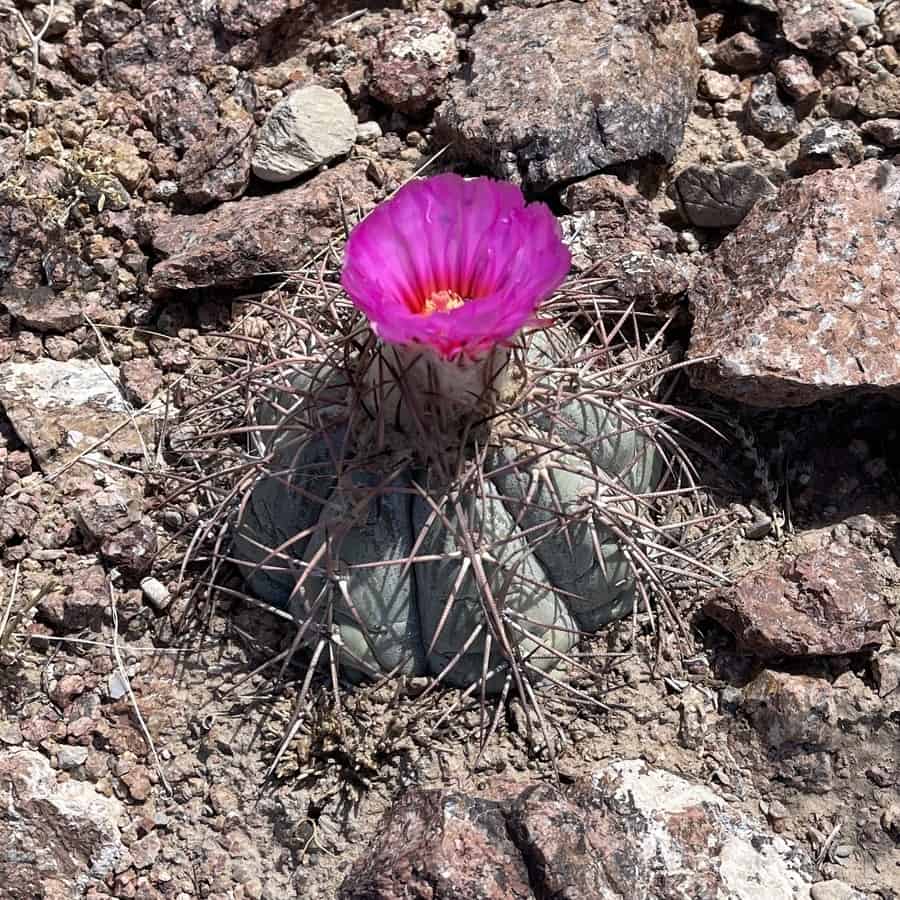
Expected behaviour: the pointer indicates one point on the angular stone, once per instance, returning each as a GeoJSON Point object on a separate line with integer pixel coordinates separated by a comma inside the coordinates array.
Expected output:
{"type": "Point", "coordinates": [629, 831]}
{"type": "Point", "coordinates": [768, 116]}
{"type": "Point", "coordinates": [141, 380]}
{"type": "Point", "coordinates": [218, 169]}
{"type": "Point", "coordinates": [720, 196]}
{"type": "Point", "coordinates": [885, 131]}
{"type": "Point", "coordinates": [792, 709]}
{"type": "Point", "coordinates": [616, 235]}
{"type": "Point", "coordinates": [565, 89]}
{"type": "Point", "coordinates": [258, 236]}
{"type": "Point", "coordinates": [824, 602]}
{"type": "Point", "coordinates": [311, 126]}
{"type": "Point", "coordinates": [879, 98]}
{"type": "Point", "coordinates": [742, 53]}
{"type": "Point", "coordinates": [823, 27]}
{"type": "Point", "coordinates": [441, 846]}
{"type": "Point", "coordinates": [830, 145]}
{"type": "Point", "coordinates": [43, 309]}
{"type": "Point", "coordinates": [60, 409]}
{"type": "Point", "coordinates": [802, 300]}
{"type": "Point", "coordinates": [415, 59]}
{"type": "Point", "coordinates": [795, 77]}
{"type": "Point", "coordinates": [58, 838]}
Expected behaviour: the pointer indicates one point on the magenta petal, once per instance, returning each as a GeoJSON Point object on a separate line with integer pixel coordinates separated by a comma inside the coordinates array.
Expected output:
{"type": "Point", "coordinates": [475, 238]}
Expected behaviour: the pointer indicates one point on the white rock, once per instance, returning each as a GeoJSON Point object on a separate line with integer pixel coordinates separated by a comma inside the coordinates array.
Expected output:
{"type": "Point", "coordinates": [56, 838]}
{"type": "Point", "coordinates": [61, 409]}
{"type": "Point", "coordinates": [311, 126]}
{"type": "Point", "coordinates": [367, 132]}
{"type": "Point", "coordinates": [835, 890]}
{"type": "Point", "coordinates": [740, 856]}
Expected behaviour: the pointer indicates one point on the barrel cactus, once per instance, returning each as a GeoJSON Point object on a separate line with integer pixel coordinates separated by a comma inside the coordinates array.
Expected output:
{"type": "Point", "coordinates": [452, 474]}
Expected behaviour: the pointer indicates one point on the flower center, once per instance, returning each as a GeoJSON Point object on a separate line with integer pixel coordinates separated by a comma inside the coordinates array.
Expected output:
{"type": "Point", "coordinates": [441, 301]}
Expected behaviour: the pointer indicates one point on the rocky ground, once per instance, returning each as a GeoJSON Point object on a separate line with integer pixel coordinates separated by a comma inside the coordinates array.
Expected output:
{"type": "Point", "coordinates": [166, 166]}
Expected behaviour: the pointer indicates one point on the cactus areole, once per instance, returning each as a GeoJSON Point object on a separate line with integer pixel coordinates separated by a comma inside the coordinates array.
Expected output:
{"type": "Point", "coordinates": [459, 489]}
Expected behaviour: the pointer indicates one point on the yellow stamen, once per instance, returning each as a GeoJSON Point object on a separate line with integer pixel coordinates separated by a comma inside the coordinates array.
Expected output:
{"type": "Point", "coordinates": [442, 301]}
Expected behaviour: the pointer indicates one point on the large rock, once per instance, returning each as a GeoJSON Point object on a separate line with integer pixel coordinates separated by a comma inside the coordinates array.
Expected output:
{"type": "Point", "coordinates": [802, 300]}
{"type": "Point", "coordinates": [823, 602]}
{"type": "Point", "coordinates": [630, 831]}
{"type": "Point", "coordinates": [562, 90]}
{"type": "Point", "coordinates": [311, 126]}
{"type": "Point", "coordinates": [57, 838]}
{"type": "Point", "coordinates": [825, 26]}
{"type": "Point", "coordinates": [416, 56]}
{"type": "Point", "coordinates": [258, 236]}
{"type": "Point", "coordinates": [615, 234]}
{"type": "Point", "coordinates": [60, 410]}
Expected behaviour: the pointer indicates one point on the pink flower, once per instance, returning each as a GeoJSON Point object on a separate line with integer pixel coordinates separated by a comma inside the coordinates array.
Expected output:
{"type": "Point", "coordinates": [454, 264]}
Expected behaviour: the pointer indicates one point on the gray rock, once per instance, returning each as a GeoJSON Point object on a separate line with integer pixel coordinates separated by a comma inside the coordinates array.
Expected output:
{"type": "Point", "coordinates": [565, 89]}
{"type": "Point", "coordinates": [829, 145]}
{"type": "Point", "coordinates": [768, 117]}
{"type": "Point", "coordinates": [720, 196]}
{"type": "Point", "coordinates": [59, 838]}
{"type": "Point", "coordinates": [835, 890]}
{"type": "Point", "coordinates": [311, 126]}
{"type": "Point", "coordinates": [71, 757]}
{"type": "Point", "coordinates": [885, 131]}
{"type": "Point", "coordinates": [367, 132]}
{"type": "Point", "coordinates": [801, 301]}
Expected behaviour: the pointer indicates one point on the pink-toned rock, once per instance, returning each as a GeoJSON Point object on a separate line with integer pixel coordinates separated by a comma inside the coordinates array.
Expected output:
{"type": "Point", "coordinates": [557, 91]}
{"type": "Point", "coordinates": [802, 300]}
{"type": "Point", "coordinates": [415, 59]}
{"type": "Point", "coordinates": [629, 831]}
{"type": "Point", "coordinates": [825, 602]}
{"type": "Point", "coordinates": [258, 236]}
{"type": "Point", "coordinates": [57, 838]}
{"type": "Point", "coordinates": [615, 234]}
{"type": "Point", "coordinates": [440, 846]}
{"type": "Point", "coordinates": [823, 27]}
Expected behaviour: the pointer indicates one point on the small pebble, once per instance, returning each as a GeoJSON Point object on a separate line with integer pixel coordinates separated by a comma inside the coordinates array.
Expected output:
{"type": "Point", "coordinates": [156, 593]}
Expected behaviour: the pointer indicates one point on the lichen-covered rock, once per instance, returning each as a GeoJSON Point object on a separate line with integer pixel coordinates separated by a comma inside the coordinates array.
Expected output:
{"type": "Point", "coordinates": [823, 602]}
{"type": "Point", "coordinates": [311, 126]}
{"type": "Point", "coordinates": [239, 241]}
{"type": "Point", "coordinates": [566, 89]}
{"type": "Point", "coordinates": [802, 300]}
